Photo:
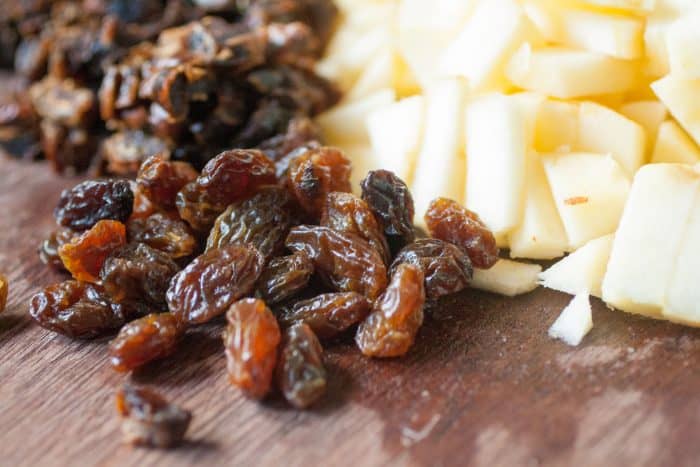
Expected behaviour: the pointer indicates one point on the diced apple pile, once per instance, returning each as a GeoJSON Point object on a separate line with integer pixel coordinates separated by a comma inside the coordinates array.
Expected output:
{"type": "Point", "coordinates": [570, 126]}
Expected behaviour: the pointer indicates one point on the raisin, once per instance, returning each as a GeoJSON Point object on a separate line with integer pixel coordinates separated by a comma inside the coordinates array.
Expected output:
{"type": "Point", "coordinates": [229, 177]}
{"type": "Point", "coordinates": [314, 174]}
{"type": "Point", "coordinates": [449, 221]}
{"type": "Point", "coordinates": [447, 269]}
{"type": "Point", "coordinates": [211, 283]}
{"type": "Point", "coordinates": [391, 327]}
{"type": "Point", "coordinates": [163, 233]}
{"type": "Point", "coordinates": [300, 373]}
{"type": "Point", "coordinates": [149, 338]}
{"type": "Point", "coordinates": [391, 201]}
{"type": "Point", "coordinates": [84, 256]}
{"type": "Point", "coordinates": [262, 221]}
{"type": "Point", "coordinates": [327, 314]}
{"type": "Point", "coordinates": [345, 261]}
{"type": "Point", "coordinates": [346, 212]}
{"type": "Point", "coordinates": [138, 276]}
{"type": "Point", "coordinates": [160, 180]}
{"type": "Point", "coordinates": [4, 288]}
{"type": "Point", "coordinates": [150, 420]}
{"type": "Point", "coordinates": [89, 202]}
{"type": "Point", "coordinates": [284, 277]}
{"type": "Point", "coordinates": [48, 250]}
{"type": "Point", "coordinates": [250, 341]}
{"type": "Point", "coordinates": [76, 309]}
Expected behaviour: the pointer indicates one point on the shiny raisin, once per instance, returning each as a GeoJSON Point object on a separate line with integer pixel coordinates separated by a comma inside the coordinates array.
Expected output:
{"type": "Point", "coordinates": [149, 338]}
{"type": "Point", "coordinates": [447, 269]}
{"type": "Point", "coordinates": [163, 233]}
{"type": "Point", "coordinates": [314, 174]}
{"type": "Point", "coordinates": [89, 202]}
{"type": "Point", "coordinates": [391, 328]}
{"type": "Point", "coordinates": [250, 341]}
{"type": "Point", "coordinates": [284, 277]}
{"type": "Point", "coordinates": [300, 375]}
{"type": "Point", "coordinates": [160, 179]}
{"type": "Point", "coordinates": [327, 314]}
{"type": "Point", "coordinates": [345, 212]}
{"type": "Point", "coordinates": [84, 256]}
{"type": "Point", "coordinates": [150, 420]}
{"type": "Point", "coordinates": [48, 250]}
{"type": "Point", "coordinates": [211, 283]}
{"type": "Point", "coordinates": [345, 261]}
{"type": "Point", "coordinates": [4, 289]}
{"type": "Point", "coordinates": [76, 309]}
{"type": "Point", "coordinates": [391, 201]}
{"type": "Point", "coordinates": [449, 221]}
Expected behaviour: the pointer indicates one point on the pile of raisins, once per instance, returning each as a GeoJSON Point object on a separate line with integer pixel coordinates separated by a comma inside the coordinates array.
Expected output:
{"type": "Point", "coordinates": [286, 258]}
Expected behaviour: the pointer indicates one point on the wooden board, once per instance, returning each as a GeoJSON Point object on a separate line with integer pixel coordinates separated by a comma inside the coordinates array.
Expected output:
{"type": "Point", "coordinates": [484, 385]}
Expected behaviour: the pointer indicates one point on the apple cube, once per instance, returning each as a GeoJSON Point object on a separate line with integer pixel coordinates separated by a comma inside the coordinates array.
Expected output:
{"type": "Point", "coordinates": [650, 114]}
{"type": "Point", "coordinates": [506, 277]}
{"type": "Point", "coordinates": [673, 145]}
{"type": "Point", "coordinates": [631, 6]}
{"type": "Point", "coordinates": [363, 160]}
{"type": "Point", "coordinates": [679, 95]}
{"type": "Point", "coordinates": [557, 127]}
{"type": "Point", "coordinates": [581, 271]}
{"type": "Point", "coordinates": [682, 43]}
{"type": "Point", "coordinates": [657, 61]}
{"type": "Point", "coordinates": [574, 322]}
{"type": "Point", "coordinates": [378, 74]}
{"type": "Point", "coordinates": [648, 242]}
{"type": "Point", "coordinates": [346, 124]}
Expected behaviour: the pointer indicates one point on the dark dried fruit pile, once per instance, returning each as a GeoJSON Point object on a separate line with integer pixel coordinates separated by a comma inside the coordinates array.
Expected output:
{"type": "Point", "coordinates": [125, 79]}
{"type": "Point", "coordinates": [280, 262]}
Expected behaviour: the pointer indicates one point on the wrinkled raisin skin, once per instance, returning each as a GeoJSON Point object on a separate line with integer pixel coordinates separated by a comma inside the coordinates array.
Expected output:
{"type": "Point", "coordinates": [251, 339]}
{"type": "Point", "coordinates": [89, 202]}
{"type": "Point", "coordinates": [345, 261]}
{"type": "Point", "coordinates": [211, 283]}
{"type": "Point", "coordinates": [140, 341]}
{"type": "Point", "coordinates": [150, 420]}
{"type": "Point", "coordinates": [48, 250]}
{"type": "Point", "coordinates": [160, 180]}
{"type": "Point", "coordinates": [84, 256]}
{"type": "Point", "coordinates": [163, 233]}
{"type": "Point", "coordinates": [327, 314]}
{"type": "Point", "coordinates": [447, 269]}
{"type": "Point", "coordinates": [300, 373]}
{"type": "Point", "coordinates": [391, 328]}
{"type": "Point", "coordinates": [284, 277]}
{"type": "Point", "coordinates": [449, 221]}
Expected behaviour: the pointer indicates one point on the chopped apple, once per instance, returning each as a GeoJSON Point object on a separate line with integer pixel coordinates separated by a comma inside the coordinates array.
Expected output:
{"type": "Point", "coordinates": [496, 132]}
{"type": "Point", "coordinates": [345, 124]}
{"type": "Point", "coordinates": [377, 75]}
{"type": "Point", "coordinates": [650, 114]}
{"type": "Point", "coordinates": [396, 133]}
{"type": "Point", "coordinates": [582, 271]}
{"type": "Point", "coordinates": [631, 6]}
{"type": "Point", "coordinates": [557, 127]}
{"type": "Point", "coordinates": [657, 62]}
{"type": "Point", "coordinates": [679, 95]}
{"type": "Point", "coordinates": [574, 322]}
{"type": "Point", "coordinates": [506, 277]}
{"type": "Point", "coordinates": [568, 73]}
{"type": "Point", "coordinates": [648, 242]}
{"type": "Point", "coordinates": [674, 145]}
{"type": "Point", "coordinates": [590, 191]}
{"type": "Point", "coordinates": [363, 160]}
{"type": "Point", "coordinates": [682, 43]}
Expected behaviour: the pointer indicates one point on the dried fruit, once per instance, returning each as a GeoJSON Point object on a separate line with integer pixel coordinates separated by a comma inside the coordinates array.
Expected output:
{"type": "Point", "coordinates": [4, 288]}
{"type": "Point", "coordinates": [449, 221]}
{"type": "Point", "coordinates": [447, 269]}
{"type": "Point", "coordinates": [391, 328]}
{"type": "Point", "coordinates": [391, 202]}
{"type": "Point", "coordinates": [300, 373]}
{"type": "Point", "coordinates": [284, 277]}
{"type": "Point", "coordinates": [148, 419]}
{"type": "Point", "coordinates": [346, 212]}
{"type": "Point", "coordinates": [160, 179]}
{"type": "Point", "coordinates": [250, 341]}
{"type": "Point", "coordinates": [210, 284]}
{"type": "Point", "coordinates": [327, 314]}
{"type": "Point", "coordinates": [76, 309]}
{"type": "Point", "coordinates": [345, 261]}
{"type": "Point", "coordinates": [125, 151]}
{"type": "Point", "coordinates": [163, 233]}
{"type": "Point", "coordinates": [84, 256]}
{"type": "Point", "coordinates": [140, 341]}
{"type": "Point", "coordinates": [48, 250]}
{"type": "Point", "coordinates": [89, 202]}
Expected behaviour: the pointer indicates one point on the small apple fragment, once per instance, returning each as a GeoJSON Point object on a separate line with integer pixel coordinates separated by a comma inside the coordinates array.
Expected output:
{"type": "Point", "coordinates": [345, 124]}
{"type": "Point", "coordinates": [506, 277]}
{"type": "Point", "coordinates": [673, 145]}
{"type": "Point", "coordinates": [677, 94]}
{"type": "Point", "coordinates": [574, 322]}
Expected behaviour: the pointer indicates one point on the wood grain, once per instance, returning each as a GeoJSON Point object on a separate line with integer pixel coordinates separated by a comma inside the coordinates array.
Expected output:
{"type": "Point", "coordinates": [484, 385]}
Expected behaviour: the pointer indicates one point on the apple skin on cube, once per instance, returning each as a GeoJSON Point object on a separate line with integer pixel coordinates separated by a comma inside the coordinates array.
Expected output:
{"type": "Point", "coordinates": [673, 145]}
{"type": "Point", "coordinates": [590, 191]}
{"type": "Point", "coordinates": [506, 277]}
{"type": "Point", "coordinates": [648, 241]}
{"type": "Point", "coordinates": [574, 322]}
{"type": "Point", "coordinates": [680, 95]}
{"type": "Point", "coordinates": [346, 124]}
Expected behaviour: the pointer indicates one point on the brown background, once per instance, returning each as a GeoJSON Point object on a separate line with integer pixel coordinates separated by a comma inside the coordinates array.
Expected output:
{"type": "Point", "coordinates": [483, 386]}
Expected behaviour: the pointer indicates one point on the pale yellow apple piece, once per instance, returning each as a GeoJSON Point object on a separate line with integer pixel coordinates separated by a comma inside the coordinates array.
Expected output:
{"type": "Point", "coordinates": [557, 127]}
{"type": "Point", "coordinates": [346, 124]}
{"type": "Point", "coordinates": [632, 6]}
{"type": "Point", "coordinates": [682, 42]}
{"type": "Point", "coordinates": [506, 277]}
{"type": "Point", "coordinates": [680, 96]}
{"type": "Point", "coordinates": [574, 322]}
{"type": "Point", "coordinates": [377, 75]}
{"type": "Point", "coordinates": [673, 145]}
{"type": "Point", "coordinates": [650, 114]}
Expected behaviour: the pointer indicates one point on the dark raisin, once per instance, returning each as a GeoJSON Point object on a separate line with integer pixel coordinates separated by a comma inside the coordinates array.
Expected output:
{"type": "Point", "coordinates": [84, 256]}
{"type": "Point", "coordinates": [345, 261]}
{"type": "Point", "coordinates": [391, 201]}
{"type": "Point", "coordinates": [163, 233]}
{"type": "Point", "coordinates": [89, 202]}
{"type": "Point", "coordinates": [250, 341]}
{"type": "Point", "coordinates": [300, 373]}
{"type": "Point", "coordinates": [327, 314]}
{"type": "Point", "coordinates": [160, 180]}
{"type": "Point", "coordinates": [150, 420]}
{"type": "Point", "coordinates": [449, 221]}
{"type": "Point", "coordinates": [140, 341]}
{"type": "Point", "coordinates": [48, 250]}
{"type": "Point", "coordinates": [447, 269]}
{"type": "Point", "coordinates": [284, 277]}
{"type": "Point", "coordinates": [391, 328]}
{"type": "Point", "coordinates": [210, 284]}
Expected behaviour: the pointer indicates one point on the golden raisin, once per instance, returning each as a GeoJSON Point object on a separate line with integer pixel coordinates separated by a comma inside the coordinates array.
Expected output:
{"type": "Point", "coordinates": [140, 341]}
{"type": "Point", "coordinates": [300, 373]}
{"type": "Point", "coordinates": [84, 256]}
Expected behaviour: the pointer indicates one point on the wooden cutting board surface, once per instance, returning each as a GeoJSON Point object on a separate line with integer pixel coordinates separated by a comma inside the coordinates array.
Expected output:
{"type": "Point", "coordinates": [483, 386]}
